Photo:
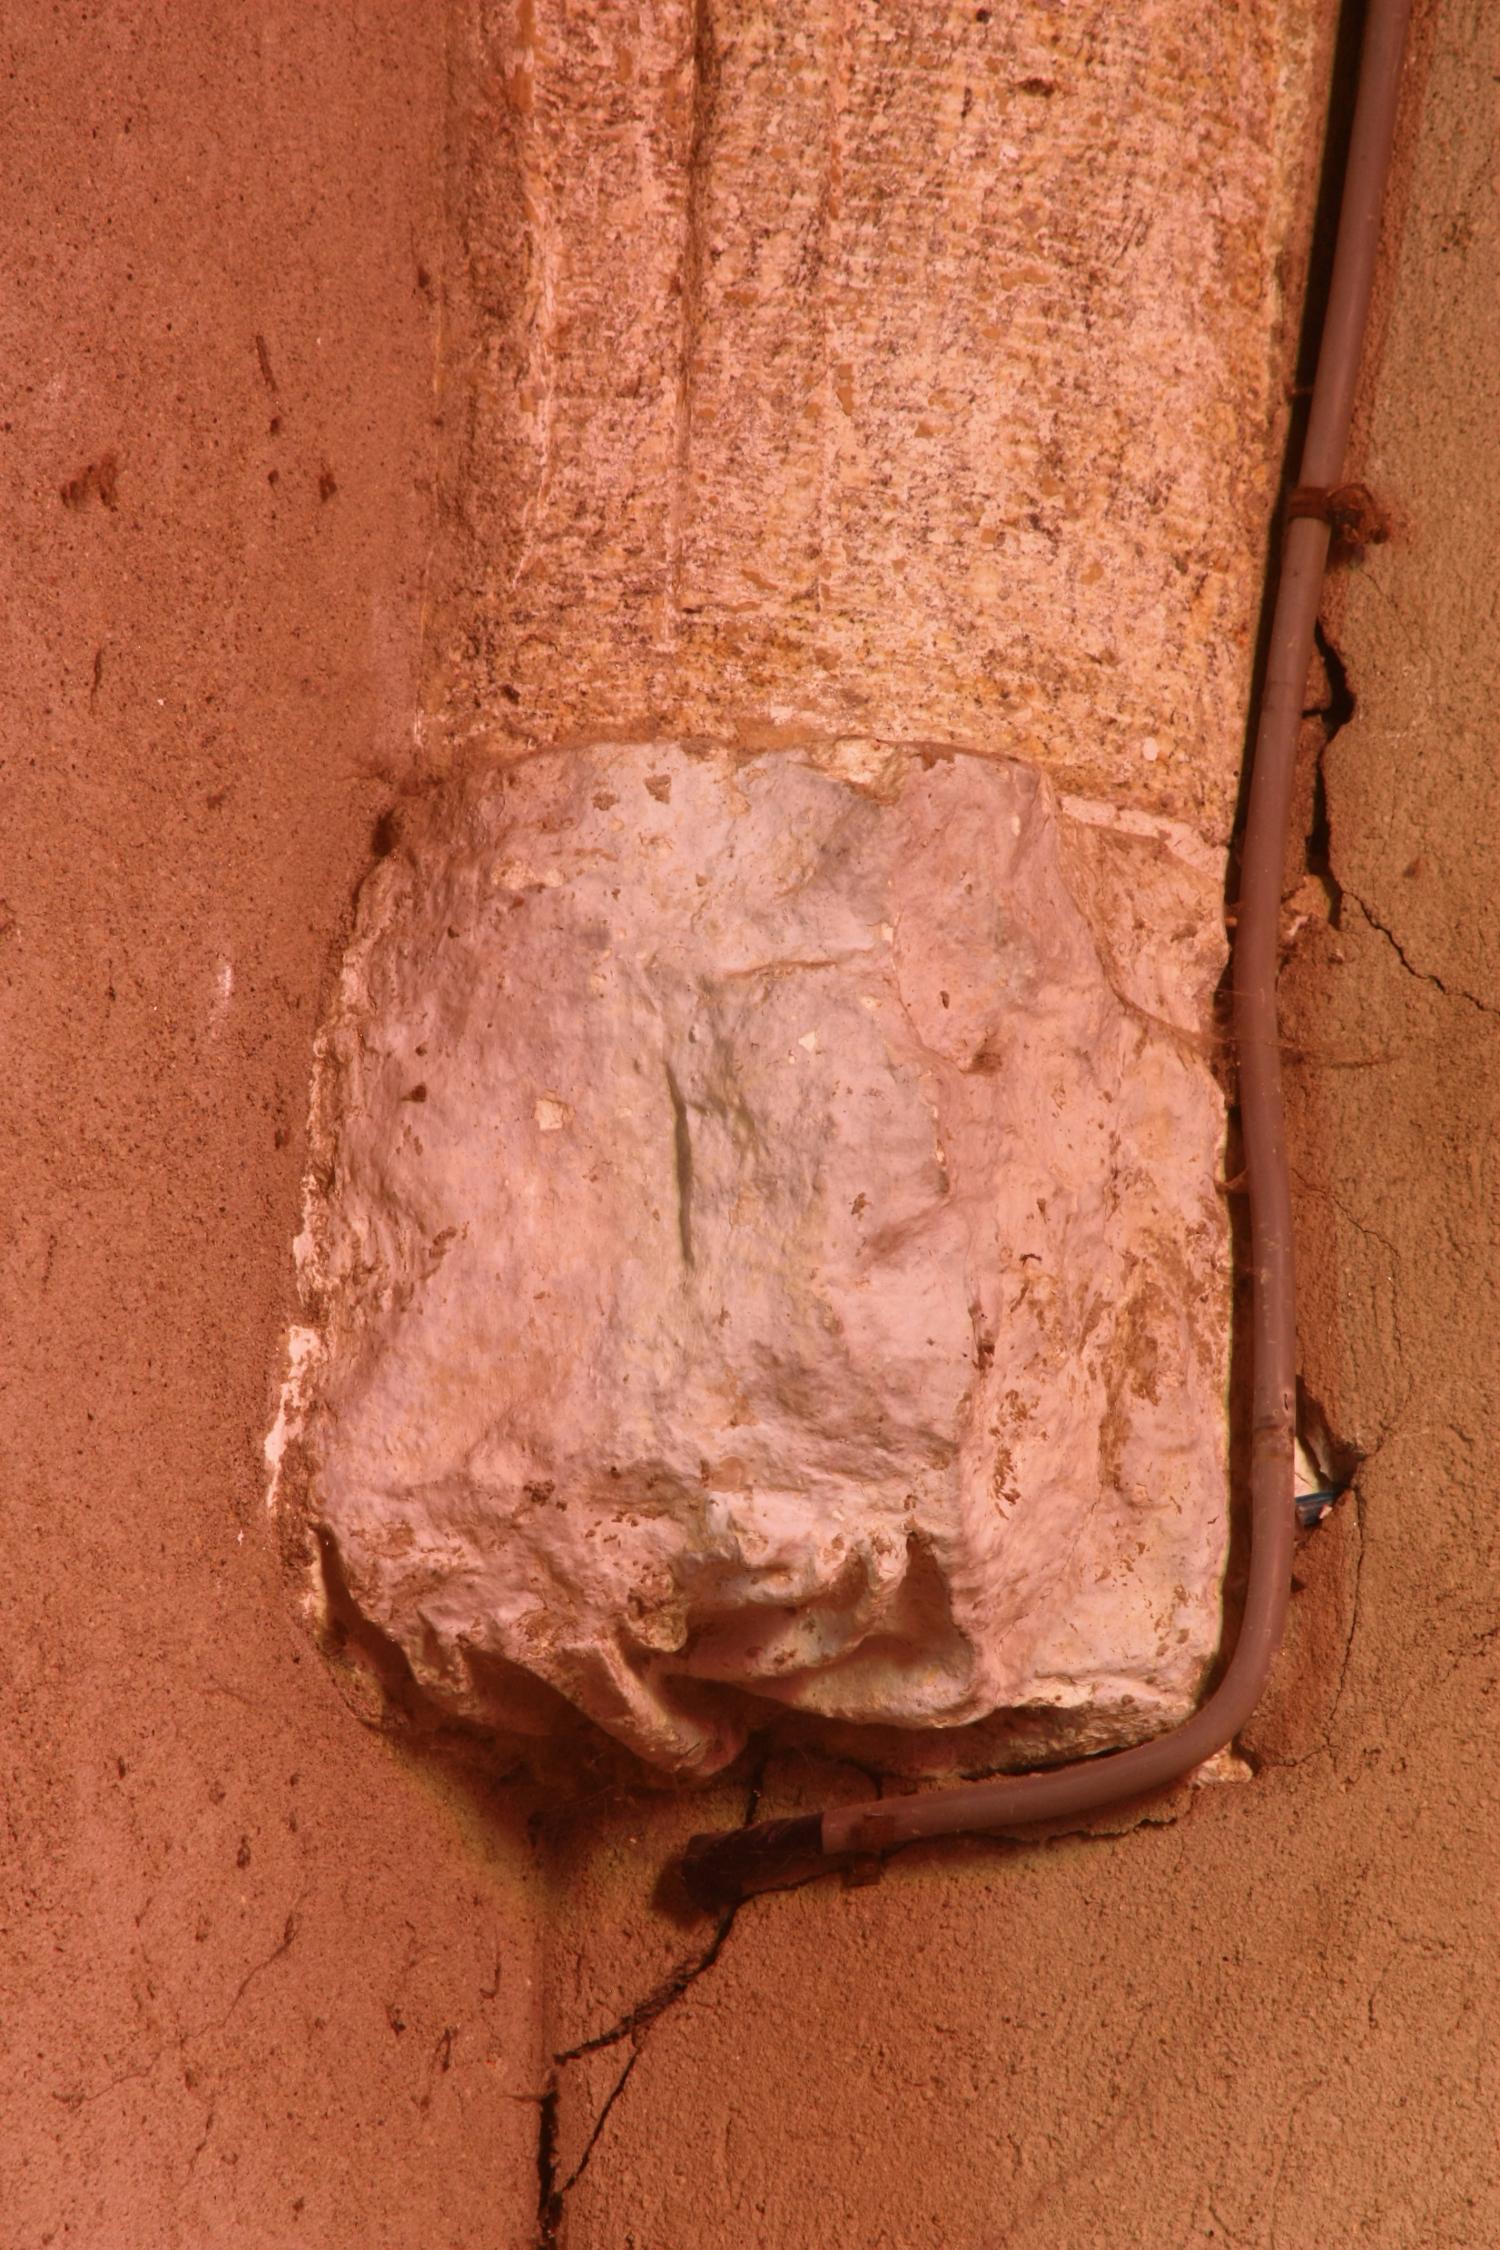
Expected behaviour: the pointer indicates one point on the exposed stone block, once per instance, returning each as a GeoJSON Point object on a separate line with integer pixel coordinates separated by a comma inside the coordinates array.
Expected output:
{"type": "Point", "coordinates": [762, 1243]}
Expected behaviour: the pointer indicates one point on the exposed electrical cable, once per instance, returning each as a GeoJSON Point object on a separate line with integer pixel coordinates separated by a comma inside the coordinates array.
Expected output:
{"type": "Point", "coordinates": [720, 1868]}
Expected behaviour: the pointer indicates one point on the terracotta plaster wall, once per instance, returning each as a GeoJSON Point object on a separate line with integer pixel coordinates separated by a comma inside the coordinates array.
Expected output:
{"type": "Point", "coordinates": [257, 1986]}
{"type": "Point", "coordinates": [262, 1980]}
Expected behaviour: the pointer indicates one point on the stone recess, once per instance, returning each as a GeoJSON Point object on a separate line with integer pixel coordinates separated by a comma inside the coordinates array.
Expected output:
{"type": "Point", "coordinates": [762, 1236]}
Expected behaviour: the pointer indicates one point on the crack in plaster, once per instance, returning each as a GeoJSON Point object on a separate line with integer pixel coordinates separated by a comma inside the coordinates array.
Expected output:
{"type": "Point", "coordinates": [1335, 1202]}
{"type": "Point", "coordinates": [635, 2024]}
{"type": "Point", "coordinates": [76, 2098]}
{"type": "Point", "coordinates": [1336, 714]}
{"type": "Point", "coordinates": [1423, 976]}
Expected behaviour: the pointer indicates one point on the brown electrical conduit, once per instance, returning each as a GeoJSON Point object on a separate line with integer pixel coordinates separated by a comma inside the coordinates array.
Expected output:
{"type": "Point", "coordinates": [720, 1868]}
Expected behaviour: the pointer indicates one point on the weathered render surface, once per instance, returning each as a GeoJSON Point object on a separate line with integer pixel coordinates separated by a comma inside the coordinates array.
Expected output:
{"type": "Point", "coordinates": [259, 1988]}
{"type": "Point", "coordinates": [764, 1235]}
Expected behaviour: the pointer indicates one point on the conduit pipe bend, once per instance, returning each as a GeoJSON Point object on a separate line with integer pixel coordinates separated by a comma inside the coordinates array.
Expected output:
{"type": "Point", "coordinates": [718, 1869]}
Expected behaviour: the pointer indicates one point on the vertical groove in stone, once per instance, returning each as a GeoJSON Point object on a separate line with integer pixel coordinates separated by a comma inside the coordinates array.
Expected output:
{"type": "Point", "coordinates": [905, 371]}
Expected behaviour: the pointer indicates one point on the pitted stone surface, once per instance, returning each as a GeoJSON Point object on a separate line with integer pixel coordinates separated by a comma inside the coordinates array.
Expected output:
{"type": "Point", "coordinates": [760, 1238]}
{"type": "Point", "coordinates": [906, 369]}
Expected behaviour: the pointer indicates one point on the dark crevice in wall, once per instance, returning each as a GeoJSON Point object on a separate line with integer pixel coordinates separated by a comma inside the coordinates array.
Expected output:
{"type": "Point", "coordinates": [548, 2195]}
{"type": "Point", "coordinates": [552, 2197]}
{"type": "Point", "coordinates": [643, 2015]}
{"type": "Point", "coordinates": [1334, 716]}
{"type": "Point", "coordinates": [1341, 705]}
{"type": "Point", "coordinates": [635, 2025]}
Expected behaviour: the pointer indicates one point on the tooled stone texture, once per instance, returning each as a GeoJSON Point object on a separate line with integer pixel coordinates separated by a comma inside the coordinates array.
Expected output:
{"type": "Point", "coordinates": [758, 1240]}
{"type": "Point", "coordinates": [910, 368]}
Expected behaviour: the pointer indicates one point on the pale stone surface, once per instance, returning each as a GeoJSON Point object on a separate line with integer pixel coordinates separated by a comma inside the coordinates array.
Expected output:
{"type": "Point", "coordinates": [762, 1235]}
{"type": "Point", "coordinates": [891, 368]}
